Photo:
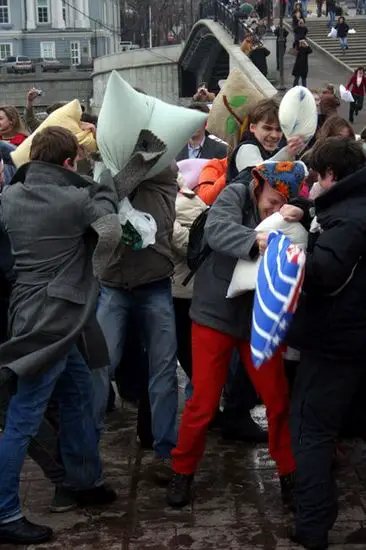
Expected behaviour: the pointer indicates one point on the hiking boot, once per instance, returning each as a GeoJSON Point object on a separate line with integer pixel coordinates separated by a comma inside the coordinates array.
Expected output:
{"type": "Point", "coordinates": [24, 532]}
{"type": "Point", "coordinates": [288, 491]}
{"type": "Point", "coordinates": [162, 470]}
{"type": "Point", "coordinates": [309, 544]}
{"type": "Point", "coordinates": [63, 501]}
{"type": "Point", "coordinates": [179, 492]}
{"type": "Point", "coordinates": [97, 496]}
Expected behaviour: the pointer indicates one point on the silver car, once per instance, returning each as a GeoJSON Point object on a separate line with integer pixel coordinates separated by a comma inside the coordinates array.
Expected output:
{"type": "Point", "coordinates": [50, 64]}
{"type": "Point", "coordinates": [19, 64]}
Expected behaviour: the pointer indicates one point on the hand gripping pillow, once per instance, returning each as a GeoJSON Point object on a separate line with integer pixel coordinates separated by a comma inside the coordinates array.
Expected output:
{"type": "Point", "coordinates": [245, 273]}
{"type": "Point", "coordinates": [68, 116]}
{"type": "Point", "coordinates": [279, 285]}
{"type": "Point", "coordinates": [228, 116]}
{"type": "Point", "coordinates": [298, 113]}
{"type": "Point", "coordinates": [125, 113]}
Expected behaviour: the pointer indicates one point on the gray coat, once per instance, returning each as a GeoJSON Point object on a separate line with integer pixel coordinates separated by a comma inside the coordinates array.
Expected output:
{"type": "Point", "coordinates": [48, 212]}
{"type": "Point", "coordinates": [230, 233]}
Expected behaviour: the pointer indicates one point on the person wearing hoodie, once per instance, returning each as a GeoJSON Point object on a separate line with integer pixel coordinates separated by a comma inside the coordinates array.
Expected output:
{"type": "Point", "coordinates": [219, 325]}
{"type": "Point", "coordinates": [328, 329]}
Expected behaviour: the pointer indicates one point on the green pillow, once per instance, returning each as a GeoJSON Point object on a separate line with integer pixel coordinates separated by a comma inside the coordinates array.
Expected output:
{"type": "Point", "coordinates": [125, 113]}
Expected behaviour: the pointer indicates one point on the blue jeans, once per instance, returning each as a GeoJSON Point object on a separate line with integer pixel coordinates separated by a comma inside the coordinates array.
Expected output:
{"type": "Point", "coordinates": [331, 18]}
{"type": "Point", "coordinates": [344, 43]}
{"type": "Point", "coordinates": [70, 382]}
{"type": "Point", "coordinates": [304, 5]}
{"type": "Point", "coordinates": [153, 307]}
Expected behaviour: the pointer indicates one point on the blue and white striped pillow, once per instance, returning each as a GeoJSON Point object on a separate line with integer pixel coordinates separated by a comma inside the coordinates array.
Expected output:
{"type": "Point", "coordinates": [279, 284]}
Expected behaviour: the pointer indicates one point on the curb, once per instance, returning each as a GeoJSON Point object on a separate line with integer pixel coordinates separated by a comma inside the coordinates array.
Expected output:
{"type": "Point", "coordinates": [323, 50]}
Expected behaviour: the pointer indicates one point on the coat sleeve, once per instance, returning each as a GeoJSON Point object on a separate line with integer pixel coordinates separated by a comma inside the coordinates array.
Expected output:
{"type": "Point", "coordinates": [30, 119]}
{"type": "Point", "coordinates": [99, 200]}
{"type": "Point", "coordinates": [351, 82]}
{"type": "Point", "coordinates": [224, 229]}
{"type": "Point", "coordinates": [180, 238]}
{"type": "Point", "coordinates": [209, 192]}
{"type": "Point", "coordinates": [334, 256]}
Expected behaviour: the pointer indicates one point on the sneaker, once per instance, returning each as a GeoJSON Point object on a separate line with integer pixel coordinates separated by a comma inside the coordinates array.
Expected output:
{"type": "Point", "coordinates": [63, 501]}
{"type": "Point", "coordinates": [288, 491]}
{"type": "Point", "coordinates": [309, 544]}
{"type": "Point", "coordinates": [97, 496]}
{"type": "Point", "coordinates": [179, 492]}
{"type": "Point", "coordinates": [24, 532]}
{"type": "Point", "coordinates": [162, 470]}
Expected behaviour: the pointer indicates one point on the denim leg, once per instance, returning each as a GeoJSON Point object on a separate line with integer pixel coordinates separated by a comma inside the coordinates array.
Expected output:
{"type": "Point", "coordinates": [112, 316]}
{"type": "Point", "coordinates": [154, 306]}
{"type": "Point", "coordinates": [23, 419]}
{"type": "Point", "coordinates": [100, 379]}
{"type": "Point", "coordinates": [78, 432]}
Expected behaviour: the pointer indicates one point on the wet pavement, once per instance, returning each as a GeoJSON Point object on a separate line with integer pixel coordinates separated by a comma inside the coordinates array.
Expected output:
{"type": "Point", "coordinates": [237, 505]}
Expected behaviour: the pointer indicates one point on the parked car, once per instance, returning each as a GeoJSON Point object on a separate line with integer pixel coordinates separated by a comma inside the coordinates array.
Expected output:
{"type": "Point", "coordinates": [19, 64]}
{"type": "Point", "coordinates": [127, 46]}
{"type": "Point", "coordinates": [50, 64]}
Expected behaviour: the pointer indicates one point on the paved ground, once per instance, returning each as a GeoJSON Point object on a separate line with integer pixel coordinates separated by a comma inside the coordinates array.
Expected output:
{"type": "Point", "coordinates": [237, 506]}
{"type": "Point", "coordinates": [321, 71]}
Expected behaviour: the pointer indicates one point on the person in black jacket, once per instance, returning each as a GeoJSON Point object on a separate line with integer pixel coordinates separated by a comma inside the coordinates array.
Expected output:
{"type": "Point", "coordinates": [331, 12]}
{"type": "Point", "coordinates": [258, 57]}
{"type": "Point", "coordinates": [329, 330]}
{"type": "Point", "coordinates": [300, 32]}
{"type": "Point", "coordinates": [301, 65]}
{"type": "Point", "coordinates": [342, 32]}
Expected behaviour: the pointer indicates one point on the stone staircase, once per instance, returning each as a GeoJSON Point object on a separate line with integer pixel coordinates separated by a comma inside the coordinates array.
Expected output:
{"type": "Point", "coordinates": [352, 58]}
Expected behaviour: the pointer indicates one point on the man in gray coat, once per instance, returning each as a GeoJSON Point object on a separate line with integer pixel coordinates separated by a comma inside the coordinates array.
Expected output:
{"type": "Point", "coordinates": [49, 212]}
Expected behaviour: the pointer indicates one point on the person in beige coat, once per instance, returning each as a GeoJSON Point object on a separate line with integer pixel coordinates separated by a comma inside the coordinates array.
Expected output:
{"type": "Point", "coordinates": [188, 206]}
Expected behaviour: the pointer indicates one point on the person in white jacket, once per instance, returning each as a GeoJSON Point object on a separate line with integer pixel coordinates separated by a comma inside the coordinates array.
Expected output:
{"type": "Point", "coordinates": [188, 207]}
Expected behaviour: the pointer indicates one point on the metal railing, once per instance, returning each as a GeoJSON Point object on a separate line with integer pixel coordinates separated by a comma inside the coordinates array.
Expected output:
{"type": "Point", "coordinates": [231, 19]}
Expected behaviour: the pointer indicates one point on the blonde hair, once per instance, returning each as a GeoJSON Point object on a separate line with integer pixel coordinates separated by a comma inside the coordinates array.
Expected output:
{"type": "Point", "coordinates": [12, 114]}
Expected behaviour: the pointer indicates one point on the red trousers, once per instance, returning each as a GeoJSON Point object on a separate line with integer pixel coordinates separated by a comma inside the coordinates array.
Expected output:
{"type": "Point", "coordinates": [211, 354]}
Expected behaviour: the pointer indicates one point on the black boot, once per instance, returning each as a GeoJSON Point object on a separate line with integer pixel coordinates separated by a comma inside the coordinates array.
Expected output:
{"type": "Point", "coordinates": [309, 544]}
{"type": "Point", "coordinates": [179, 492]}
{"type": "Point", "coordinates": [238, 425]}
{"type": "Point", "coordinates": [24, 532]}
{"type": "Point", "coordinates": [288, 491]}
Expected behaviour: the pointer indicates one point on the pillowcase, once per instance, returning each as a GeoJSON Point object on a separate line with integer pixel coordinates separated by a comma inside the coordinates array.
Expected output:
{"type": "Point", "coordinates": [227, 118]}
{"type": "Point", "coordinates": [191, 170]}
{"type": "Point", "coordinates": [280, 279]}
{"type": "Point", "coordinates": [298, 114]}
{"type": "Point", "coordinates": [246, 272]}
{"type": "Point", "coordinates": [126, 112]}
{"type": "Point", "coordinates": [68, 116]}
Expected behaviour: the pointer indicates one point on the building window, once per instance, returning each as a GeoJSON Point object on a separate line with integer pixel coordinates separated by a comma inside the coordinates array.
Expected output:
{"type": "Point", "coordinates": [4, 11]}
{"type": "Point", "coordinates": [75, 53]}
{"type": "Point", "coordinates": [42, 11]}
{"type": "Point", "coordinates": [5, 50]}
{"type": "Point", "coordinates": [48, 50]}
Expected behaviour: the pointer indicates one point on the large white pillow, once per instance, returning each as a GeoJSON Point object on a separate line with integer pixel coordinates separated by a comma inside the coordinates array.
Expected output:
{"type": "Point", "coordinates": [245, 273]}
{"type": "Point", "coordinates": [298, 113]}
{"type": "Point", "coordinates": [125, 113]}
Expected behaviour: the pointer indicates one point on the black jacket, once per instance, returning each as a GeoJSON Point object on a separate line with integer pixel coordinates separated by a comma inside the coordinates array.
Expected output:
{"type": "Point", "coordinates": [258, 58]}
{"type": "Point", "coordinates": [301, 65]}
{"type": "Point", "coordinates": [331, 318]}
{"type": "Point", "coordinates": [300, 33]}
{"type": "Point", "coordinates": [211, 149]}
{"type": "Point", "coordinates": [342, 30]}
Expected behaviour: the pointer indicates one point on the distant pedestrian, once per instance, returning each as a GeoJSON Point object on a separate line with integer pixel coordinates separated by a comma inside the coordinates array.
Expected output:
{"type": "Point", "coordinates": [331, 12]}
{"type": "Point", "coordinates": [258, 57]}
{"type": "Point", "coordinates": [300, 33]}
{"type": "Point", "coordinates": [297, 14]}
{"type": "Point", "coordinates": [319, 7]}
{"type": "Point", "coordinates": [301, 65]}
{"type": "Point", "coordinates": [357, 87]}
{"type": "Point", "coordinates": [342, 32]}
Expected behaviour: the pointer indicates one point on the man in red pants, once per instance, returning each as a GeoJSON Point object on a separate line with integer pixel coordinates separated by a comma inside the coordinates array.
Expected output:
{"type": "Point", "coordinates": [221, 324]}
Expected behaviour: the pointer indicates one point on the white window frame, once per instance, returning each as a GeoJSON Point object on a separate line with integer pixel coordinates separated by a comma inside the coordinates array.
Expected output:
{"type": "Point", "coordinates": [52, 47]}
{"type": "Point", "coordinates": [48, 13]}
{"type": "Point", "coordinates": [9, 15]}
{"type": "Point", "coordinates": [7, 54]}
{"type": "Point", "coordinates": [79, 52]}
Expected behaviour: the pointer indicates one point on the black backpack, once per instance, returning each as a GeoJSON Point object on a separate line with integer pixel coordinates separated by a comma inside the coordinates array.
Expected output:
{"type": "Point", "coordinates": [197, 250]}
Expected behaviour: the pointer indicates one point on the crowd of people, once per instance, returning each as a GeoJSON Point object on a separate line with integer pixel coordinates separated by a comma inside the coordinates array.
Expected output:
{"type": "Point", "coordinates": [67, 334]}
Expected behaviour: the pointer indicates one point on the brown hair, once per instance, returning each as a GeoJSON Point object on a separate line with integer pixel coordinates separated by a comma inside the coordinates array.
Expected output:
{"type": "Point", "coordinates": [12, 114]}
{"type": "Point", "coordinates": [342, 156]}
{"type": "Point", "coordinates": [265, 110]}
{"type": "Point", "coordinates": [333, 126]}
{"type": "Point", "coordinates": [54, 145]}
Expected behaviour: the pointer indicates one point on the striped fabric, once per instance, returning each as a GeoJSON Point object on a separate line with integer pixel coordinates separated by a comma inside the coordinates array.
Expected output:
{"type": "Point", "coordinates": [279, 283]}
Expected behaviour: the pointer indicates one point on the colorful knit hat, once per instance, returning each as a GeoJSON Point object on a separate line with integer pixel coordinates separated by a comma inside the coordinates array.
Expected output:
{"type": "Point", "coordinates": [285, 177]}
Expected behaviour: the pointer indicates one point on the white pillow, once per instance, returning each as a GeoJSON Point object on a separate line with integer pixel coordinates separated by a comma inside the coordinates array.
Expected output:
{"type": "Point", "coordinates": [125, 113]}
{"type": "Point", "coordinates": [245, 273]}
{"type": "Point", "coordinates": [298, 113]}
